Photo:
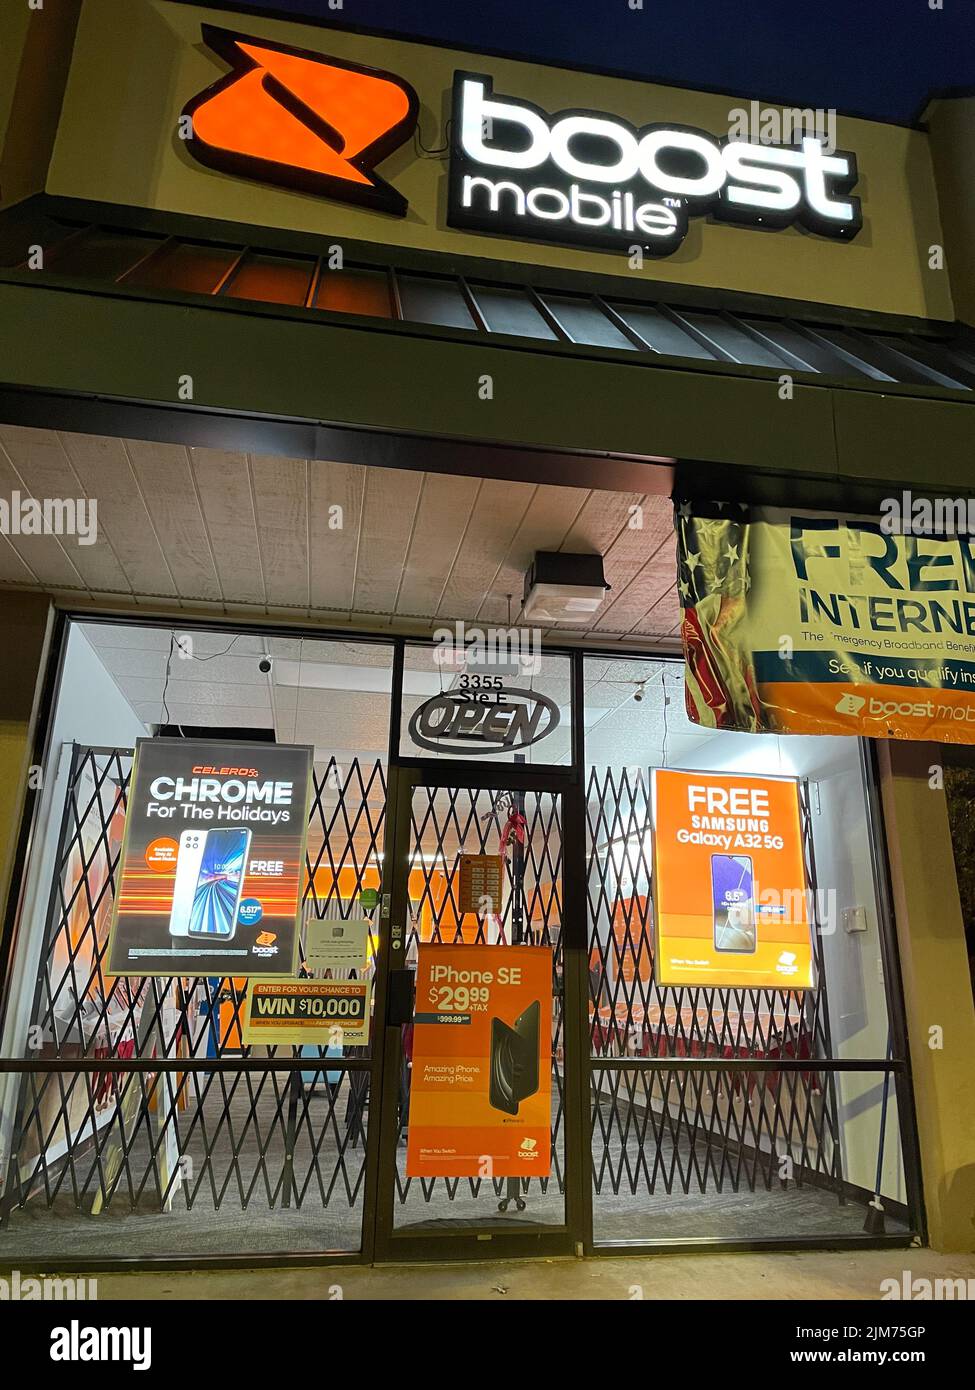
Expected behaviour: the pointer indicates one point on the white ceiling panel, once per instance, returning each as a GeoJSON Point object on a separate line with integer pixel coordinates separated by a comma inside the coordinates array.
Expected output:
{"type": "Point", "coordinates": [253, 536]}
{"type": "Point", "coordinates": [441, 523]}
{"type": "Point", "coordinates": [281, 495]}
{"type": "Point", "coordinates": [545, 525]}
{"type": "Point", "coordinates": [495, 518]}
{"type": "Point", "coordinates": [388, 517]}
{"type": "Point", "coordinates": [38, 466]}
{"type": "Point", "coordinates": [335, 492]}
{"type": "Point", "coordinates": [223, 482]}
{"type": "Point", "coordinates": [168, 487]}
{"type": "Point", "coordinates": [41, 555]}
{"type": "Point", "coordinates": [106, 473]}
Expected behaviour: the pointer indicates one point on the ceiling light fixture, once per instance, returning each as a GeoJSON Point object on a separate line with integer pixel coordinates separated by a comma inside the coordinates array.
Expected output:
{"type": "Point", "coordinates": [563, 588]}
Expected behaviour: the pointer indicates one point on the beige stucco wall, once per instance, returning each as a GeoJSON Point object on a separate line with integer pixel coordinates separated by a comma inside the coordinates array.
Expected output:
{"type": "Point", "coordinates": [35, 52]}
{"type": "Point", "coordinates": [138, 62]}
{"type": "Point", "coordinates": [25, 621]}
{"type": "Point", "coordinates": [951, 122]}
{"type": "Point", "coordinates": [937, 986]}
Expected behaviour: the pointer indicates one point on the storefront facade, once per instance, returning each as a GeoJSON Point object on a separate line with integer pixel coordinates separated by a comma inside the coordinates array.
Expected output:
{"type": "Point", "coordinates": [333, 392]}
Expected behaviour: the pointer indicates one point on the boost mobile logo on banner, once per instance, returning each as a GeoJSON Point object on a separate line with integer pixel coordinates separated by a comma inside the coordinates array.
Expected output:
{"type": "Point", "coordinates": [302, 120]}
{"type": "Point", "coordinates": [586, 177]}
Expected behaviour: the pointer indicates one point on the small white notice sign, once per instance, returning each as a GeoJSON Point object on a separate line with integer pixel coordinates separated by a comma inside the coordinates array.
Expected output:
{"type": "Point", "coordinates": [333, 945]}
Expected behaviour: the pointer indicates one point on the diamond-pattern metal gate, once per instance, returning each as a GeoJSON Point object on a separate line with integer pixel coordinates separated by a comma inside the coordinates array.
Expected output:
{"type": "Point", "coordinates": [136, 1094]}
{"type": "Point", "coordinates": [445, 822]}
{"type": "Point", "coordinates": [139, 1093]}
{"type": "Point", "coordinates": [660, 1126]}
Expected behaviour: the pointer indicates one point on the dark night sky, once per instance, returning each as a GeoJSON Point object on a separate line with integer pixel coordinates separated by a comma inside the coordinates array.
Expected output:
{"type": "Point", "coordinates": [875, 58]}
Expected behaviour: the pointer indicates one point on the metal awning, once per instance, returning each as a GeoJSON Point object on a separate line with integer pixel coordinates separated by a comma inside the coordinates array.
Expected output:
{"type": "Point", "coordinates": [145, 262]}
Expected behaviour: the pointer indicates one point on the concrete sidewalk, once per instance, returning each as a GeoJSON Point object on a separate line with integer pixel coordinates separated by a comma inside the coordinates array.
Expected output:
{"type": "Point", "coordinates": [809, 1274]}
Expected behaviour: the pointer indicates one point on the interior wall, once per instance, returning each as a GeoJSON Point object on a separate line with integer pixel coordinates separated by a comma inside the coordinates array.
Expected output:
{"type": "Point", "coordinates": [91, 710]}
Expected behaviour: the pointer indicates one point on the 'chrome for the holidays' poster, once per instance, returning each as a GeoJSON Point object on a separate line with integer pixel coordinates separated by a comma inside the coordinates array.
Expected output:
{"type": "Point", "coordinates": [213, 863]}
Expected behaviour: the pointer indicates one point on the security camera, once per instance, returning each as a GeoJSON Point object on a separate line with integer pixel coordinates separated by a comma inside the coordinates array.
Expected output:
{"type": "Point", "coordinates": [264, 665]}
{"type": "Point", "coordinates": [638, 695]}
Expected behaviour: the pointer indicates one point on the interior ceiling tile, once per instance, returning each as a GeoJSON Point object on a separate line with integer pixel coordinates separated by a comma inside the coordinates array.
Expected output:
{"type": "Point", "coordinates": [333, 547]}
{"type": "Point", "coordinates": [103, 466]}
{"type": "Point", "coordinates": [362, 653]}
{"type": "Point", "coordinates": [228, 669]}
{"type": "Point", "coordinates": [281, 492]}
{"type": "Point", "coordinates": [211, 643]}
{"type": "Point", "coordinates": [441, 521]}
{"type": "Point", "coordinates": [213, 716]}
{"type": "Point", "coordinates": [361, 723]}
{"type": "Point", "coordinates": [136, 662]}
{"type": "Point", "coordinates": [494, 521]}
{"type": "Point", "coordinates": [128, 636]}
{"type": "Point", "coordinates": [167, 484]}
{"type": "Point", "coordinates": [224, 485]}
{"type": "Point", "coordinates": [203, 644]}
{"type": "Point", "coordinates": [319, 650]}
{"type": "Point", "coordinates": [142, 688]}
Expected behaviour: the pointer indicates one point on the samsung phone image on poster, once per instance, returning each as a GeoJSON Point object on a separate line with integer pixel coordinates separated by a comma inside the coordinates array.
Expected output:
{"type": "Point", "coordinates": [213, 862]}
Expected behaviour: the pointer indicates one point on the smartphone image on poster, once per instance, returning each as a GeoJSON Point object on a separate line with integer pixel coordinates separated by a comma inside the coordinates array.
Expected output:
{"type": "Point", "coordinates": [188, 859]}
{"type": "Point", "coordinates": [220, 884]}
{"type": "Point", "coordinates": [733, 900]}
{"type": "Point", "coordinates": [514, 1060]}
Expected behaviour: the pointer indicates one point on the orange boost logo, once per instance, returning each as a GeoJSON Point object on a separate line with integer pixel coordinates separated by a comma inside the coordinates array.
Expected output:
{"type": "Point", "coordinates": [301, 120]}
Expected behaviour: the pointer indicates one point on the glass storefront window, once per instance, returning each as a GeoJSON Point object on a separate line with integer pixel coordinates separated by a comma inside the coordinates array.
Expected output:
{"type": "Point", "coordinates": [169, 1160]}
{"type": "Point", "coordinates": [719, 1140]}
{"type": "Point", "coordinates": [139, 1121]}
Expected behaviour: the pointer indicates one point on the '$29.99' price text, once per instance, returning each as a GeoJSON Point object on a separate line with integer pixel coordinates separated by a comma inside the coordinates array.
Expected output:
{"type": "Point", "coordinates": [469, 998]}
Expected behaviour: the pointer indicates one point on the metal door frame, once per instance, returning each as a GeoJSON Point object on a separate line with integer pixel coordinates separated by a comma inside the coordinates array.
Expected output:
{"type": "Point", "coordinates": [405, 774]}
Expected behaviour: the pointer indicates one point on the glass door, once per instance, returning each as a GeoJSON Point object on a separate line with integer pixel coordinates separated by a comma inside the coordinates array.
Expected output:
{"type": "Point", "coordinates": [476, 1054]}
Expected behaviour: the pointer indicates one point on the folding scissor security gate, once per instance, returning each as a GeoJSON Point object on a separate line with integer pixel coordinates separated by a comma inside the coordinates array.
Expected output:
{"type": "Point", "coordinates": [136, 1095]}
{"type": "Point", "coordinates": [138, 1124]}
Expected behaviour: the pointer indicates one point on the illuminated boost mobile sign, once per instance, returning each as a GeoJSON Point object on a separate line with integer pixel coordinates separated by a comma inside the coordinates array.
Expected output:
{"type": "Point", "coordinates": [593, 179]}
